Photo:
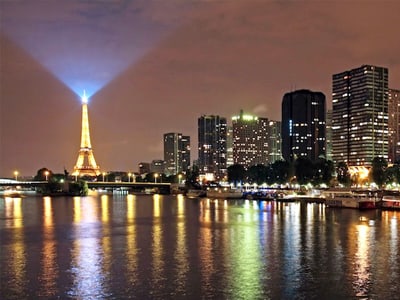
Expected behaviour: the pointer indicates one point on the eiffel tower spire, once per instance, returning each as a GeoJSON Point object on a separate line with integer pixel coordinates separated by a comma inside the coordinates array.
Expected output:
{"type": "Point", "coordinates": [86, 164]}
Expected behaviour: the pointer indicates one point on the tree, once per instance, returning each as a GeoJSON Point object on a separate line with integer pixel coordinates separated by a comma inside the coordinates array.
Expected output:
{"type": "Point", "coordinates": [192, 178]}
{"type": "Point", "coordinates": [304, 170]}
{"type": "Point", "coordinates": [41, 174]}
{"type": "Point", "coordinates": [79, 188]}
{"type": "Point", "coordinates": [236, 174]}
{"type": "Point", "coordinates": [343, 174]}
{"type": "Point", "coordinates": [257, 174]}
{"type": "Point", "coordinates": [278, 172]}
{"type": "Point", "coordinates": [379, 166]}
{"type": "Point", "coordinates": [392, 174]}
{"type": "Point", "coordinates": [323, 171]}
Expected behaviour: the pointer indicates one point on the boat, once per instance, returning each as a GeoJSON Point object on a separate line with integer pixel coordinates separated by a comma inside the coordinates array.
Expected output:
{"type": "Point", "coordinates": [224, 193]}
{"type": "Point", "coordinates": [282, 197]}
{"type": "Point", "coordinates": [195, 193]}
{"type": "Point", "coordinates": [12, 193]}
{"type": "Point", "coordinates": [390, 202]}
{"type": "Point", "coordinates": [349, 199]}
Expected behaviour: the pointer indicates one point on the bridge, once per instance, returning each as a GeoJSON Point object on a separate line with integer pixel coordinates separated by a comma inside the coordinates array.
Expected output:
{"type": "Point", "coordinates": [152, 187]}
{"type": "Point", "coordinates": [14, 183]}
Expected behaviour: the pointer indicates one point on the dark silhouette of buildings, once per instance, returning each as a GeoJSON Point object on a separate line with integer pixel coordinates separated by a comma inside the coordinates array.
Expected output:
{"type": "Point", "coordinates": [303, 125]}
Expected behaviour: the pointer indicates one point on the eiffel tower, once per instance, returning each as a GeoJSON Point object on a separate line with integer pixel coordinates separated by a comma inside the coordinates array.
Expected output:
{"type": "Point", "coordinates": [86, 164]}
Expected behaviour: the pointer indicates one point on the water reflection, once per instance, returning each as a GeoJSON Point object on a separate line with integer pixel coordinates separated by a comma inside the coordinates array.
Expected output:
{"type": "Point", "coordinates": [86, 264]}
{"type": "Point", "coordinates": [49, 272]}
{"type": "Point", "coordinates": [244, 260]}
{"type": "Point", "coordinates": [181, 252]}
{"type": "Point", "coordinates": [163, 247]}
{"type": "Point", "coordinates": [16, 257]}
{"type": "Point", "coordinates": [131, 247]}
{"type": "Point", "coordinates": [106, 234]}
{"type": "Point", "coordinates": [361, 261]}
{"type": "Point", "coordinates": [157, 243]}
{"type": "Point", "coordinates": [205, 246]}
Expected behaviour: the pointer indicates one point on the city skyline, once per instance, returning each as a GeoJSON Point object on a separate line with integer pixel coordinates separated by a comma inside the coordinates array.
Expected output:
{"type": "Point", "coordinates": [177, 62]}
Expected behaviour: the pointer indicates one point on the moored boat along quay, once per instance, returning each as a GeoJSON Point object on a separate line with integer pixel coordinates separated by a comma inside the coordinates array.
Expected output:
{"type": "Point", "coordinates": [335, 198]}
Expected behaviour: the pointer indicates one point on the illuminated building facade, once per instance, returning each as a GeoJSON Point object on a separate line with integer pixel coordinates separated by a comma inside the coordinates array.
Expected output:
{"type": "Point", "coordinates": [212, 135]}
{"type": "Point", "coordinates": [360, 115]}
{"type": "Point", "coordinates": [229, 147]}
{"type": "Point", "coordinates": [303, 125]}
{"type": "Point", "coordinates": [185, 153]}
{"type": "Point", "coordinates": [176, 153]}
{"type": "Point", "coordinates": [393, 126]}
{"type": "Point", "coordinates": [86, 164]}
{"type": "Point", "coordinates": [250, 140]}
{"type": "Point", "coordinates": [328, 135]}
{"type": "Point", "coordinates": [274, 141]}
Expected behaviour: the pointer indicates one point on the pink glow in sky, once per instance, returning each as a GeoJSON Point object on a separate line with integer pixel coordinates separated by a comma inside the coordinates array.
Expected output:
{"type": "Point", "coordinates": [156, 66]}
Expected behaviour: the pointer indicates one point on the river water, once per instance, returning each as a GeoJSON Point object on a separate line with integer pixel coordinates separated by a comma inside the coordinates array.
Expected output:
{"type": "Point", "coordinates": [170, 247]}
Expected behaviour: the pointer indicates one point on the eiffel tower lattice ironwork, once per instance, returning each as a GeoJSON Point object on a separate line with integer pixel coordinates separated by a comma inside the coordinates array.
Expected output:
{"type": "Point", "coordinates": [86, 164]}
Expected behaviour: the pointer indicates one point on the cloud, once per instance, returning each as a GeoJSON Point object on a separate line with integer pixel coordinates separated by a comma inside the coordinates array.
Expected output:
{"type": "Point", "coordinates": [261, 110]}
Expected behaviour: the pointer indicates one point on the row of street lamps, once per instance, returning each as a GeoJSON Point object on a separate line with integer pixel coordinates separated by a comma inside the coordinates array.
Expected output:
{"type": "Point", "coordinates": [156, 175]}
{"type": "Point", "coordinates": [46, 174]}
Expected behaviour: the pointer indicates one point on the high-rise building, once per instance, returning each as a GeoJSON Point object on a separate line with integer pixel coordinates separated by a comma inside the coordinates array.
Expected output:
{"type": "Point", "coordinates": [250, 140]}
{"type": "Point", "coordinates": [274, 141]}
{"type": "Point", "coordinates": [303, 125]}
{"type": "Point", "coordinates": [328, 134]}
{"type": "Point", "coordinates": [176, 153]}
{"type": "Point", "coordinates": [212, 134]}
{"type": "Point", "coordinates": [229, 147]}
{"type": "Point", "coordinates": [393, 126]}
{"type": "Point", "coordinates": [185, 153]}
{"type": "Point", "coordinates": [360, 115]}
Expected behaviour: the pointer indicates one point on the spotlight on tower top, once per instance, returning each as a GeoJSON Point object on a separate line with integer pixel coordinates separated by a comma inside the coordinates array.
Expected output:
{"type": "Point", "coordinates": [84, 97]}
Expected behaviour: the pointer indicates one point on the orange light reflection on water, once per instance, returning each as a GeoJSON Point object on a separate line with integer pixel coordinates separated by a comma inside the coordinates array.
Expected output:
{"type": "Point", "coordinates": [181, 251]}
{"type": "Point", "coordinates": [205, 244]}
{"type": "Point", "coordinates": [157, 235]}
{"type": "Point", "coordinates": [17, 260]}
{"type": "Point", "coordinates": [362, 263]}
{"type": "Point", "coordinates": [106, 232]}
{"type": "Point", "coordinates": [131, 248]}
{"type": "Point", "coordinates": [49, 272]}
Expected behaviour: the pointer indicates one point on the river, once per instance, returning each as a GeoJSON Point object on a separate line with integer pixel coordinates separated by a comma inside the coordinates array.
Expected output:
{"type": "Point", "coordinates": [170, 247]}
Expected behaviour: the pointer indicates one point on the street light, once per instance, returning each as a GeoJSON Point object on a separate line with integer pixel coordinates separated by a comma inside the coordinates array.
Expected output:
{"type": "Point", "coordinates": [104, 174]}
{"type": "Point", "coordinates": [46, 173]}
{"type": "Point", "coordinates": [179, 178]}
{"type": "Point", "coordinates": [155, 177]}
{"type": "Point", "coordinates": [16, 175]}
{"type": "Point", "coordinates": [129, 177]}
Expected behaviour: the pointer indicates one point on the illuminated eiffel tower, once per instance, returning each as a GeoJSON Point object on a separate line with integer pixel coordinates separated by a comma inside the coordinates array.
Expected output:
{"type": "Point", "coordinates": [86, 164]}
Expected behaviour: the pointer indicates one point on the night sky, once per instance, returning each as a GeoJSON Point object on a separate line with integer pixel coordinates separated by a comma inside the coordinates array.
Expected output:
{"type": "Point", "coordinates": [152, 67]}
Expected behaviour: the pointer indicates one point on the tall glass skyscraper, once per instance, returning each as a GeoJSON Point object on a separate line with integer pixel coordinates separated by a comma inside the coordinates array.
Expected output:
{"type": "Point", "coordinates": [360, 115]}
{"type": "Point", "coordinates": [176, 153]}
{"type": "Point", "coordinates": [212, 135]}
{"type": "Point", "coordinates": [303, 125]}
